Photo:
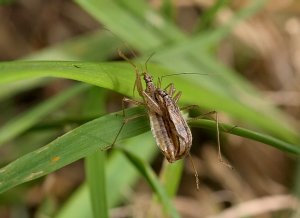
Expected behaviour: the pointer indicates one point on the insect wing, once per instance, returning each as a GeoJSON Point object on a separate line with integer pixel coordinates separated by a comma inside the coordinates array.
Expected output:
{"type": "Point", "coordinates": [182, 129]}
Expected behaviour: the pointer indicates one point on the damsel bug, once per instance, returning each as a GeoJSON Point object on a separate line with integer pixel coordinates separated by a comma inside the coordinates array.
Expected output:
{"type": "Point", "coordinates": [173, 138]}
{"type": "Point", "coordinates": [178, 129]}
{"type": "Point", "coordinates": [169, 128]}
{"type": "Point", "coordinates": [178, 125]}
{"type": "Point", "coordinates": [154, 111]}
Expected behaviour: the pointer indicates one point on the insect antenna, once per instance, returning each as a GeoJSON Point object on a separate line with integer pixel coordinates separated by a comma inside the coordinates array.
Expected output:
{"type": "Point", "coordinates": [195, 170]}
{"type": "Point", "coordinates": [177, 74]}
{"type": "Point", "coordinates": [122, 55]}
{"type": "Point", "coordinates": [148, 59]}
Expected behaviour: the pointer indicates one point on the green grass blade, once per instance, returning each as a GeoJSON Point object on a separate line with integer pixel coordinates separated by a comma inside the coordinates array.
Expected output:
{"type": "Point", "coordinates": [153, 181]}
{"type": "Point", "coordinates": [228, 93]}
{"type": "Point", "coordinates": [118, 166]}
{"type": "Point", "coordinates": [170, 176]}
{"type": "Point", "coordinates": [112, 15]}
{"type": "Point", "coordinates": [91, 136]}
{"type": "Point", "coordinates": [120, 77]}
{"type": "Point", "coordinates": [266, 139]}
{"type": "Point", "coordinates": [95, 164]}
{"type": "Point", "coordinates": [195, 59]}
{"type": "Point", "coordinates": [157, 24]}
{"type": "Point", "coordinates": [84, 47]}
{"type": "Point", "coordinates": [95, 170]}
{"type": "Point", "coordinates": [27, 119]}
{"type": "Point", "coordinates": [115, 76]}
{"type": "Point", "coordinates": [70, 147]}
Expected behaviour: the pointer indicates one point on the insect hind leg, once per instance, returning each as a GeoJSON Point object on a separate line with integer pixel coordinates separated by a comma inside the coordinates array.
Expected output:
{"type": "Point", "coordinates": [220, 158]}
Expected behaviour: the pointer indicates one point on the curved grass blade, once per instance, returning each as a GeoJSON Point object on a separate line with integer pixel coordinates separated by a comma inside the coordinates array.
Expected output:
{"type": "Point", "coordinates": [246, 133]}
{"type": "Point", "coordinates": [115, 76]}
{"type": "Point", "coordinates": [119, 77]}
{"type": "Point", "coordinates": [89, 137]}
{"type": "Point", "coordinates": [196, 49]}
{"type": "Point", "coordinates": [70, 147]}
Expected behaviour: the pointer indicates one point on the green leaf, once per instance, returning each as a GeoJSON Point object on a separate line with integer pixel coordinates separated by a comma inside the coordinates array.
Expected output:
{"type": "Point", "coordinates": [96, 134]}
{"type": "Point", "coordinates": [84, 47]}
{"type": "Point", "coordinates": [170, 176]}
{"type": "Point", "coordinates": [118, 166]}
{"type": "Point", "coordinates": [111, 12]}
{"type": "Point", "coordinates": [70, 147]}
{"type": "Point", "coordinates": [228, 92]}
{"type": "Point", "coordinates": [120, 77]}
{"type": "Point", "coordinates": [95, 170]}
{"type": "Point", "coordinates": [153, 181]}
{"type": "Point", "coordinates": [239, 131]}
{"type": "Point", "coordinates": [95, 164]}
{"type": "Point", "coordinates": [115, 76]}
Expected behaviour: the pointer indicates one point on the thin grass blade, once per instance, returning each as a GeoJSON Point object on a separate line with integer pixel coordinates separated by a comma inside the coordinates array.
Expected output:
{"type": "Point", "coordinates": [153, 181]}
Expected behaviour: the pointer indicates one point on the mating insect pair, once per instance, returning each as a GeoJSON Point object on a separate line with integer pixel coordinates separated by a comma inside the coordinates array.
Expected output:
{"type": "Point", "coordinates": [169, 128]}
{"type": "Point", "coordinates": [172, 134]}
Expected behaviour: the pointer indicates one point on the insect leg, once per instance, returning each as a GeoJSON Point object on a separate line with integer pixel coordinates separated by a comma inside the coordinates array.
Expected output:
{"type": "Point", "coordinates": [219, 144]}
{"type": "Point", "coordinates": [120, 130]}
{"type": "Point", "coordinates": [195, 170]}
{"type": "Point", "coordinates": [152, 104]}
{"type": "Point", "coordinates": [138, 103]}
{"type": "Point", "coordinates": [177, 96]}
{"type": "Point", "coordinates": [138, 83]}
{"type": "Point", "coordinates": [193, 106]}
{"type": "Point", "coordinates": [218, 134]}
{"type": "Point", "coordinates": [171, 90]}
{"type": "Point", "coordinates": [125, 120]}
{"type": "Point", "coordinates": [204, 115]}
{"type": "Point", "coordinates": [148, 59]}
{"type": "Point", "coordinates": [122, 55]}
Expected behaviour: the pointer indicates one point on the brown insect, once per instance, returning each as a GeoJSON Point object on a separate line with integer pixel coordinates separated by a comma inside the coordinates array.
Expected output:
{"type": "Point", "coordinates": [178, 127]}
{"type": "Point", "coordinates": [169, 128]}
{"type": "Point", "coordinates": [173, 140]}
{"type": "Point", "coordinates": [154, 111]}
